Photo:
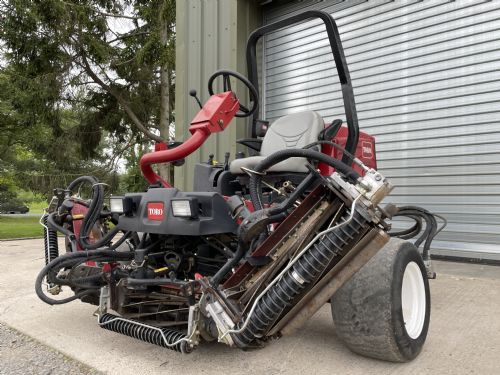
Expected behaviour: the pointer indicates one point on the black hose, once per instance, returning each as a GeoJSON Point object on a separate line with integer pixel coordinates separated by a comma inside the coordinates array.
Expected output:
{"type": "Point", "coordinates": [427, 236]}
{"type": "Point", "coordinates": [411, 232]}
{"type": "Point", "coordinates": [121, 240]}
{"type": "Point", "coordinates": [279, 156]}
{"type": "Point", "coordinates": [68, 258]}
{"type": "Point", "coordinates": [93, 213]}
{"type": "Point", "coordinates": [296, 194]}
{"type": "Point", "coordinates": [51, 222]}
{"type": "Point", "coordinates": [334, 145]}
{"type": "Point", "coordinates": [228, 266]}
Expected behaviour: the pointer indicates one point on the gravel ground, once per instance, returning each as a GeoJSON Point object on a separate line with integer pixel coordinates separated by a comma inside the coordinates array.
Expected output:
{"type": "Point", "coordinates": [20, 354]}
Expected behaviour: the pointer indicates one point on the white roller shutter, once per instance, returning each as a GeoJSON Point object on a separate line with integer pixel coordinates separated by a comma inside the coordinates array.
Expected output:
{"type": "Point", "coordinates": [426, 77]}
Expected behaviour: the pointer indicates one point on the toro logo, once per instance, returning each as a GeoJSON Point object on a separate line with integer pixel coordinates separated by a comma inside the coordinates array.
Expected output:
{"type": "Point", "coordinates": [367, 149]}
{"type": "Point", "coordinates": [155, 211]}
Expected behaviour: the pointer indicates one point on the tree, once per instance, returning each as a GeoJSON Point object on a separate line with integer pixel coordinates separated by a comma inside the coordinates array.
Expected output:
{"type": "Point", "coordinates": [105, 67]}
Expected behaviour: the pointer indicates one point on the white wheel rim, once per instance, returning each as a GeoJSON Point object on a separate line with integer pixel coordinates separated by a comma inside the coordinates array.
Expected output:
{"type": "Point", "coordinates": [413, 300]}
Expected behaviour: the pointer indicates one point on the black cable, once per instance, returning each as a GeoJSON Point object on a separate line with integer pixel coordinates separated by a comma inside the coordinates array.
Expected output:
{"type": "Point", "coordinates": [125, 236]}
{"type": "Point", "coordinates": [431, 228]}
{"type": "Point", "coordinates": [279, 156]}
{"type": "Point", "coordinates": [335, 145]}
{"type": "Point", "coordinates": [224, 270]}
{"type": "Point", "coordinates": [70, 258]}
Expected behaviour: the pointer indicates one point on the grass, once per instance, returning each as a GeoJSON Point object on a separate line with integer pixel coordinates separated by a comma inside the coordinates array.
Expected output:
{"type": "Point", "coordinates": [20, 227]}
{"type": "Point", "coordinates": [36, 207]}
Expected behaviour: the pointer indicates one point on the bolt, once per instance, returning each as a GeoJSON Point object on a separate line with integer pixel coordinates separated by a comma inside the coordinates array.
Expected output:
{"type": "Point", "coordinates": [378, 177]}
{"type": "Point", "coordinates": [220, 122]}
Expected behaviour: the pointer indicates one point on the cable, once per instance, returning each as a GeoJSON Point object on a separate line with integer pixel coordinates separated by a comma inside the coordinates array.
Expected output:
{"type": "Point", "coordinates": [431, 228]}
{"type": "Point", "coordinates": [74, 258]}
{"type": "Point", "coordinates": [279, 156]}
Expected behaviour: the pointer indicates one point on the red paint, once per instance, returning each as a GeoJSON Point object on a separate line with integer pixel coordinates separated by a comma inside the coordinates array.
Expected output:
{"type": "Point", "coordinates": [214, 117]}
{"type": "Point", "coordinates": [78, 209]}
{"type": "Point", "coordinates": [81, 209]}
{"type": "Point", "coordinates": [156, 211]}
{"type": "Point", "coordinates": [365, 151]}
{"type": "Point", "coordinates": [161, 146]}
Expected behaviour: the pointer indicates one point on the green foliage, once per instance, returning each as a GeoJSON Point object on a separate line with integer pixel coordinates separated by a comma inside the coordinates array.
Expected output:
{"type": "Point", "coordinates": [73, 72]}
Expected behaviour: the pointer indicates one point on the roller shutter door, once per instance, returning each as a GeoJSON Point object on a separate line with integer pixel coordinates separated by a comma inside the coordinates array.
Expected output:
{"type": "Point", "coordinates": [426, 77]}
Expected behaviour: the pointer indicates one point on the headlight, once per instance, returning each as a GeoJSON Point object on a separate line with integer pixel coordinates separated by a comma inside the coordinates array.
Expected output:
{"type": "Point", "coordinates": [184, 208]}
{"type": "Point", "coordinates": [116, 205]}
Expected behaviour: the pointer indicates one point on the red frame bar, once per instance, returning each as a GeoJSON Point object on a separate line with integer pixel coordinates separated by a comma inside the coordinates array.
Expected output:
{"type": "Point", "coordinates": [214, 117]}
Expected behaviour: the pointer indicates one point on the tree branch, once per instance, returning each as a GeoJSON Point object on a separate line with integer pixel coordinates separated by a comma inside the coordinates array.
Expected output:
{"type": "Point", "coordinates": [123, 103]}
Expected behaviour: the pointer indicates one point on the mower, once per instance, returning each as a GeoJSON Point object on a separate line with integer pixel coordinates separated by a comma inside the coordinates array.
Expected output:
{"type": "Point", "coordinates": [262, 243]}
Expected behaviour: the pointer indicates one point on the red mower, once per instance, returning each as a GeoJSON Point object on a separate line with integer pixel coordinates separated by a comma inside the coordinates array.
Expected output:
{"type": "Point", "coordinates": [261, 244]}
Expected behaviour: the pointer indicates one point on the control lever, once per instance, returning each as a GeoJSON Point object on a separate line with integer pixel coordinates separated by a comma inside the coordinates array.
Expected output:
{"type": "Point", "coordinates": [226, 161]}
{"type": "Point", "coordinates": [192, 93]}
{"type": "Point", "coordinates": [210, 159]}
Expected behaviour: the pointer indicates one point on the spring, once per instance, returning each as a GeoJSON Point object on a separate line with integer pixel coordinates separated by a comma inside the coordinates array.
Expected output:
{"type": "Point", "coordinates": [307, 269]}
{"type": "Point", "coordinates": [146, 333]}
{"type": "Point", "coordinates": [50, 241]}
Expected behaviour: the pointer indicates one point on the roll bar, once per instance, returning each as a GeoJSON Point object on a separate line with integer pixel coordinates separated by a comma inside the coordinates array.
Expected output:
{"type": "Point", "coordinates": [340, 62]}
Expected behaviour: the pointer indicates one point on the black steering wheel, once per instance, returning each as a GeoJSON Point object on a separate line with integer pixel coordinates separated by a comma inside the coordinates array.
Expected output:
{"type": "Point", "coordinates": [254, 96]}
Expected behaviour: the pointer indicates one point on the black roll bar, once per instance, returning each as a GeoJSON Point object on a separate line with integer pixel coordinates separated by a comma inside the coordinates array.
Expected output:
{"type": "Point", "coordinates": [340, 62]}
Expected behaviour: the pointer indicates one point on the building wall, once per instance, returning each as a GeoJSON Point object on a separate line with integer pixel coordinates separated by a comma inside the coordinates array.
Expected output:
{"type": "Point", "coordinates": [211, 35]}
{"type": "Point", "coordinates": [426, 76]}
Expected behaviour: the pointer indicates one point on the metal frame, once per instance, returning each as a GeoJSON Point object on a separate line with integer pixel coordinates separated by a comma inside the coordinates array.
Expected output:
{"type": "Point", "coordinates": [340, 63]}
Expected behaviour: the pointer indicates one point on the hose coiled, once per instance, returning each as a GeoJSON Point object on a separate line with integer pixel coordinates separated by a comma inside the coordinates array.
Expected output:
{"type": "Point", "coordinates": [50, 241]}
{"type": "Point", "coordinates": [306, 270]}
{"type": "Point", "coordinates": [145, 333]}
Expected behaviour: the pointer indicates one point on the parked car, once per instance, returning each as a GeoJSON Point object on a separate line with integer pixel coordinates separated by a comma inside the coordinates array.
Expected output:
{"type": "Point", "coordinates": [13, 207]}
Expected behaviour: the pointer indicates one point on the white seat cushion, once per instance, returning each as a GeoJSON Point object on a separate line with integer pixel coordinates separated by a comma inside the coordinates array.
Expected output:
{"type": "Point", "coordinates": [292, 131]}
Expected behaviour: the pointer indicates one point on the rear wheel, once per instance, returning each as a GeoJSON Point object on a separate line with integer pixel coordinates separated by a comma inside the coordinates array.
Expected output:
{"type": "Point", "coordinates": [384, 310]}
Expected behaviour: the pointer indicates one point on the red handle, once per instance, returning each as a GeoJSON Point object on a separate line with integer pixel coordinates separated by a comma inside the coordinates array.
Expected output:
{"type": "Point", "coordinates": [214, 117]}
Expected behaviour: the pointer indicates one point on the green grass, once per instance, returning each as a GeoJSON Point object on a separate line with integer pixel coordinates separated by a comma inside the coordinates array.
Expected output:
{"type": "Point", "coordinates": [36, 207]}
{"type": "Point", "coordinates": [20, 227]}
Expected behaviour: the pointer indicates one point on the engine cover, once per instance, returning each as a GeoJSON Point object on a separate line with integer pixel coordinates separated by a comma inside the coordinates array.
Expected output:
{"type": "Point", "coordinates": [152, 213]}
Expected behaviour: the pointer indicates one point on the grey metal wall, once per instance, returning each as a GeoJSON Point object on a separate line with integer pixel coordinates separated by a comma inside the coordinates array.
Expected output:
{"type": "Point", "coordinates": [426, 76]}
{"type": "Point", "coordinates": [211, 35]}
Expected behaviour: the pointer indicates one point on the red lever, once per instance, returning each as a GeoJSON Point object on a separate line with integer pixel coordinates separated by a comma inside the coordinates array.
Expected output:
{"type": "Point", "coordinates": [214, 117]}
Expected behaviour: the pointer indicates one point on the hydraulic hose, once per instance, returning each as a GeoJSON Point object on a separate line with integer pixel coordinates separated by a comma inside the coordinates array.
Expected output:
{"type": "Point", "coordinates": [430, 231]}
{"type": "Point", "coordinates": [228, 266]}
{"type": "Point", "coordinates": [279, 156]}
{"type": "Point", "coordinates": [93, 213]}
{"type": "Point", "coordinates": [67, 259]}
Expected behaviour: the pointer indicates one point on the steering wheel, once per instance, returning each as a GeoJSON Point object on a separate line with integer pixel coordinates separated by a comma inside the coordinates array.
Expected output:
{"type": "Point", "coordinates": [254, 96]}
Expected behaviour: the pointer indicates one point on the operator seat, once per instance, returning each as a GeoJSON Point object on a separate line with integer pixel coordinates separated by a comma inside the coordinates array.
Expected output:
{"type": "Point", "coordinates": [292, 131]}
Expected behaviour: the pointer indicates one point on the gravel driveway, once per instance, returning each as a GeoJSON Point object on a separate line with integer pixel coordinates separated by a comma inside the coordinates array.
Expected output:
{"type": "Point", "coordinates": [20, 354]}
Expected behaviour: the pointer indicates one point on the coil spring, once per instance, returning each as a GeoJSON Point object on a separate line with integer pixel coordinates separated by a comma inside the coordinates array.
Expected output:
{"type": "Point", "coordinates": [307, 268]}
{"type": "Point", "coordinates": [142, 332]}
{"type": "Point", "coordinates": [50, 241]}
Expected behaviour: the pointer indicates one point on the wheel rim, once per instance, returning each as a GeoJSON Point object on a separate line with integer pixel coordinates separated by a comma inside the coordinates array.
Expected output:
{"type": "Point", "coordinates": [413, 301]}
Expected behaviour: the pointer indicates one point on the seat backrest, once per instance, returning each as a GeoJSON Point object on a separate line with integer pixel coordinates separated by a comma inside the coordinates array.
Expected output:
{"type": "Point", "coordinates": [292, 131]}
